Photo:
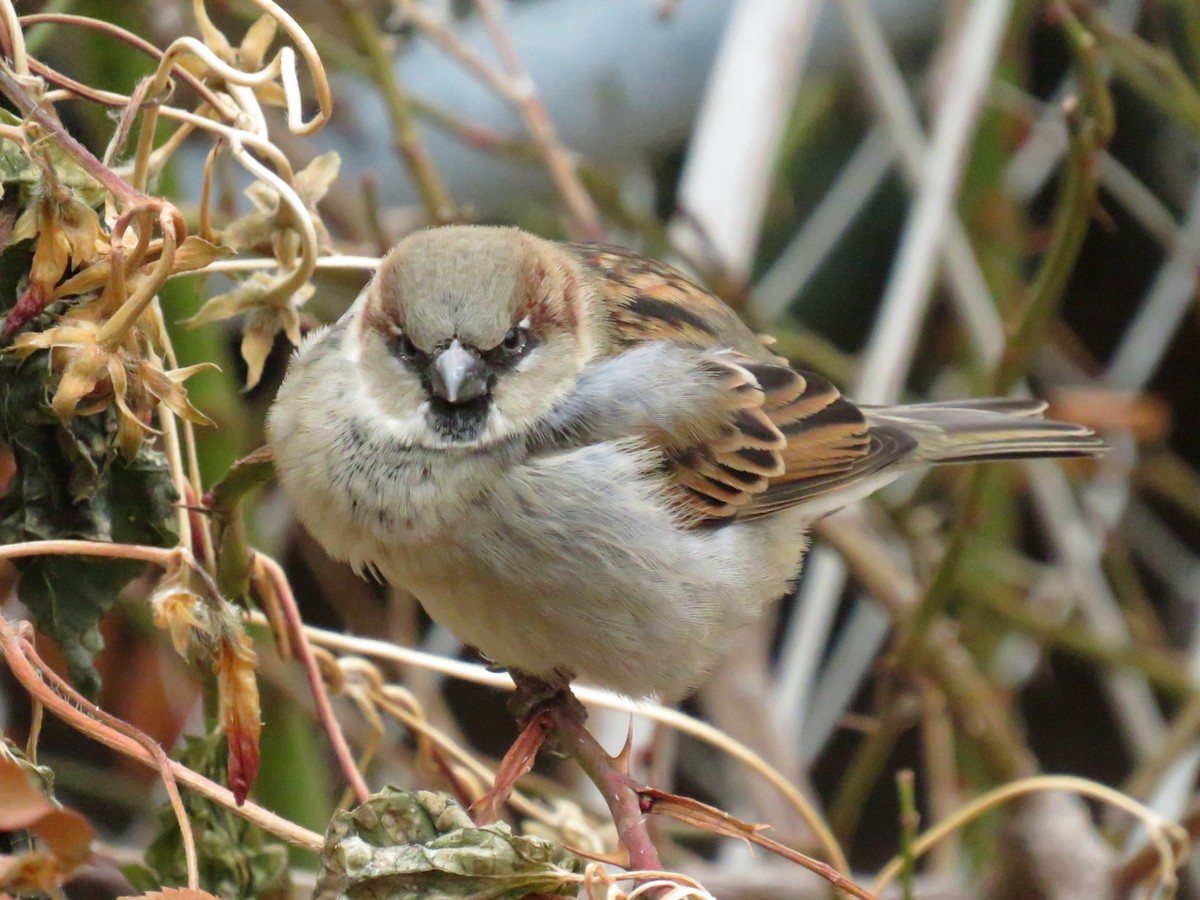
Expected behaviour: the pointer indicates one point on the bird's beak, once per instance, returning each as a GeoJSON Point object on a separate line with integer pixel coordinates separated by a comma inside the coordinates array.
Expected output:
{"type": "Point", "coordinates": [457, 375]}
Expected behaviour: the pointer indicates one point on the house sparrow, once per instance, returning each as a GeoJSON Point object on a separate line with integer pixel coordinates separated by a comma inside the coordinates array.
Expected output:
{"type": "Point", "coordinates": [583, 464]}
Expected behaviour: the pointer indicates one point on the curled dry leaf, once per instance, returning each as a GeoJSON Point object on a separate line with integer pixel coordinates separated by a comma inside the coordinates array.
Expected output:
{"type": "Point", "coordinates": [67, 232]}
{"type": "Point", "coordinates": [193, 254]}
{"type": "Point", "coordinates": [177, 609]}
{"type": "Point", "coordinates": [262, 226]}
{"type": "Point", "coordinates": [92, 372]}
{"type": "Point", "coordinates": [240, 711]}
{"type": "Point", "coordinates": [267, 311]}
{"type": "Point", "coordinates": [423, 844]}
{"type": "Point", "coordinates": [248, 56]}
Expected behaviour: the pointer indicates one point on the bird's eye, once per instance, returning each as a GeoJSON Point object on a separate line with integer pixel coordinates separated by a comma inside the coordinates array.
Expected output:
{"type": "Point", "coordinates": [515, 341]}
{"type": "Point", "coordinates": [403, 347]}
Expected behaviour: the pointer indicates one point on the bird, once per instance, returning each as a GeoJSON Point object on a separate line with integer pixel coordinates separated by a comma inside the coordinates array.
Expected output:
{"type": "Point", "coordinates": [582, 463]}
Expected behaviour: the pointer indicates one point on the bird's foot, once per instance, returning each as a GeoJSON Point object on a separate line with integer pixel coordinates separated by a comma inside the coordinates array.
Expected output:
{"type": "Point", "coordinates": [516, 764]}
{"type": "Point", "coordinates": [535, 695]}
{"type": "Point", "coordinates": [539, 705]}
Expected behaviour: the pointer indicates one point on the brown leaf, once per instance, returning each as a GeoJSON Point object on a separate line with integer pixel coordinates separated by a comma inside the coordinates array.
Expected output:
{"type": "Point", "coordinates": [174, 894]}
{"type": "Point", "coordinates": [167, 387]}
{"type": "Point", "coordinates": [174, 607]}
{"type": "Point", "coordinates": [24, 805]}
{"type": "Point", "coordinates": [240, 712]}
{"type": "Point", "coordinates": [709, 818]}
{"type": "Point", "coordinates": [267, 311]}
{"type": "Point", "coordinates": [30, 873]}
{"type": "Point", "coordinates": [194, 253]}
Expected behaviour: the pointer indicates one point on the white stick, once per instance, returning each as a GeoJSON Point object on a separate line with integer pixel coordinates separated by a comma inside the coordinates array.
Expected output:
{"type": "Point", "coordinates": [723, 191]}
{"type": "Point", "coordinates": [893, 341]}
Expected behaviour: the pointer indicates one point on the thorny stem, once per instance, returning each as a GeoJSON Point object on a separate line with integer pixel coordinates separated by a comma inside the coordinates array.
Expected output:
{"type": "Point", "coordinates": [709, 818]}
{"type": "Point", "coordinates": [619, 792]}
{"type": "Point", "coordinates": [430, 186]}
{"type": "Point", "coordinates": [75, 717]}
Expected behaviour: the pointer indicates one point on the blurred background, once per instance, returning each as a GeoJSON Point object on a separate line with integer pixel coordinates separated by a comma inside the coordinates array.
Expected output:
{"type": "Point", "coordinates": [920, 200]}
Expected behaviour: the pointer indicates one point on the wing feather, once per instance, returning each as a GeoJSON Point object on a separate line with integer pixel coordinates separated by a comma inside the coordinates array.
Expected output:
{"type": "Point", "coordinates": [790, 433]}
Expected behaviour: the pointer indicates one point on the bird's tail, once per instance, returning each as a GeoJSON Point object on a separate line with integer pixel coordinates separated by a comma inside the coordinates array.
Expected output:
{"type": "Point", "coordinates": [980, 430]}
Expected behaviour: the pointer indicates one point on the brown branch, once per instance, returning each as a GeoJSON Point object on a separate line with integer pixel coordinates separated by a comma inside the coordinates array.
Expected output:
{"type": "Point", "coordinates": [584, 217]}
{"type": "Point", "coordinates": [312, 671]}
{"type": "Point", "coordinates": [619, 792]}
{"type": "Point", "coordinates": [406, 138]}
{"type": "Point", "coordinates": [75, 717]}
{"type": "Point", "coordinates": [12, 88]}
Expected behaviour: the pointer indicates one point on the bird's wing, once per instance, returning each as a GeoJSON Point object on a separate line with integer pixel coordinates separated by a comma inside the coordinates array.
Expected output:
{"type": "Point", "coordinates": [791, 435]}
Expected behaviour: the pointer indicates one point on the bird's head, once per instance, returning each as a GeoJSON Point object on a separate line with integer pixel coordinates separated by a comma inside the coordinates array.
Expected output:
{"type": "Point", "coordinates": [468, 335]}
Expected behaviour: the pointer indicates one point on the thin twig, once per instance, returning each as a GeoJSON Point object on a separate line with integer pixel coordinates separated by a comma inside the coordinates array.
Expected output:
{"type": "Point", "coordinates": [428, 181]}
{"type": "Point", "coordinates": [585, 219]}
{"type": "Point", "coordinates": [14, 644]}
{"type": "Point", "coordinates": [127, 746]}
{"type": "Point", "coordinates": [303, 649]}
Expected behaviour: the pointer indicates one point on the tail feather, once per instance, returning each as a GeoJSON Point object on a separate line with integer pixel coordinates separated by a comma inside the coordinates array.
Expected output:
{"type": "Point", "coordinates": [980, 430]}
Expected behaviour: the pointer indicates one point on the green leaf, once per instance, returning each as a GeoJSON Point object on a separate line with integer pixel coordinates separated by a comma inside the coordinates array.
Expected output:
{"type": "Point", "coordinates": [237, 860]}
{"type": "Point", "coordinates": [71, 484]}
{"type": "Point", "coordinates": [405, 845]}
{"type": "Point", "coordinates": [18, 169]}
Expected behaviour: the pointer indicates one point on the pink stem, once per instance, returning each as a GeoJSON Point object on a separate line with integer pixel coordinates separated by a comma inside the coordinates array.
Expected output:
{"type": "Point", "coordinates": [615, 786]}
{"type": "Point", "coordinates": [291, 613]}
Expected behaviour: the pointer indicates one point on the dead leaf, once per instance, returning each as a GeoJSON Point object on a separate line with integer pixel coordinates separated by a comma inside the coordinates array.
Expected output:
{"type": "Point", "coordinates": [422, 844]}
{"type": "Point", "coordinates": [240, 713]}
{"type": "Point", "coordinates": [25, 805]}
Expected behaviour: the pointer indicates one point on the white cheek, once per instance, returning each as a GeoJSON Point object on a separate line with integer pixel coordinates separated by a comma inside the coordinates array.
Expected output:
{"type": "Point", "coordinates": [497, 428]}
{"type": "Point", "coordinates": [528, 361]}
